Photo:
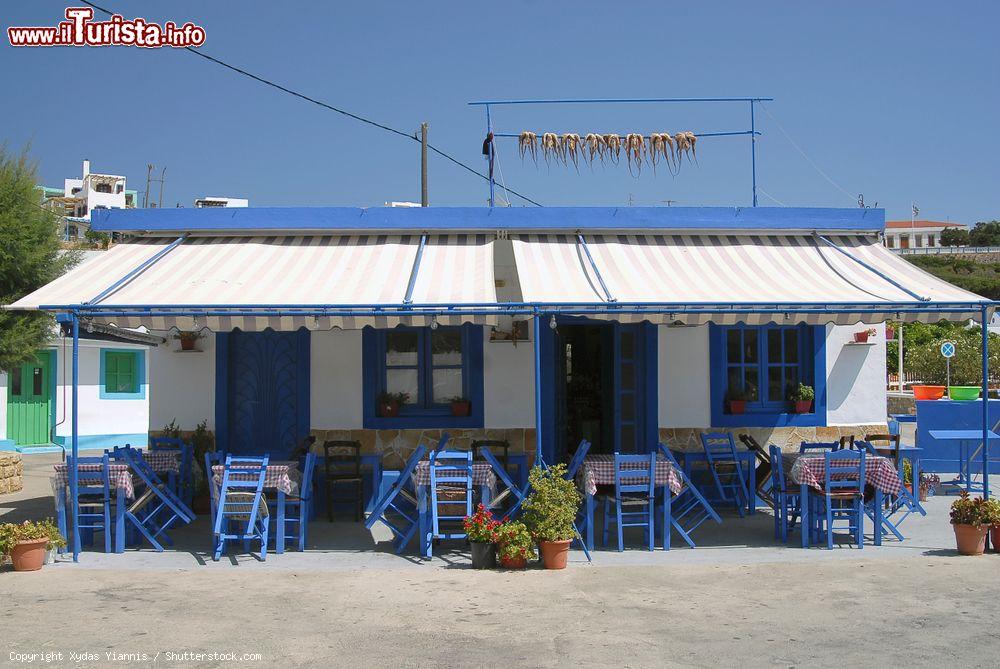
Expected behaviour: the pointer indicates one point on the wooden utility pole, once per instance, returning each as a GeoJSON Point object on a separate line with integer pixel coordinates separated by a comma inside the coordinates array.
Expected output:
{"type": "Point", "coordinates": [163, 177]}
{"type": "Point", "coordinates": [149, 176]}
{"type": "Point", "coordinates": [423, 165]}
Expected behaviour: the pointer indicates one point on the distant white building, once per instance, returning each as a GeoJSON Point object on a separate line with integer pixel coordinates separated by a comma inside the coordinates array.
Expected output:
{"type": "Point", "coordinates": [916, 234]}
{"type": "Point", "coordinates": [79, 197]}
{"type": "Point", "coordinates": [203, 202]}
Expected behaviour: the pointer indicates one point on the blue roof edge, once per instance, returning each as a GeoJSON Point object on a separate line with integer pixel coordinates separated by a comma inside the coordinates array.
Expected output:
{"type": "Point", "coordinates": [351, 219]}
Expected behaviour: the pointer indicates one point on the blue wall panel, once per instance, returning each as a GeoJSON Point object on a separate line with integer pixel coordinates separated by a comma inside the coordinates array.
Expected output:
{"type": "Point", "coordinates": [948, 415]}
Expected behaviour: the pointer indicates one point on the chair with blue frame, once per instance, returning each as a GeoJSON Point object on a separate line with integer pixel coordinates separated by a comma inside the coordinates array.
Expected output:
{"type": "Point", "coordinates": [185, 480]}
{"type": "Point", "coordinates": [94, 502]}
{"type": "Point", "coordinates": [213, 459]}
{"type": "Point", "coordinates": [818, 448]}
{"type": "Point", "coordinates": [577, 460]}
{"type": "Point", "coordinates": [397, 508]}
{"type": "Point", "coordinates": [298, 506]}
{"type": "Point", "coordinates": [242, 514]}
{"type": "Point", "coordinates": [158, 508]}
{"type": "Point", "coordinates": [689, 508]}
{"type": "Point", "coordinates": [451, 494]}
{"type": "Point", "coordinates": [726, 469]}
{"type": "Point", "coordinates": [842, 497]}
{"type": "Point", "coordinates": [634, 498]}
{"type": "Point", "coordinates": [784, 495]}
{"type": "Point", "coordinates": [511, 490]}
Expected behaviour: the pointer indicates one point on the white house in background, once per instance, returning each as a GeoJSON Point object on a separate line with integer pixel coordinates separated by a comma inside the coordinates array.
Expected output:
{"type": "Point", "coordinates": [79, 197]}
{"type": "Point", "coordinates": [916, 234]}
{"type": "Point", "coordinates": [203, 202]}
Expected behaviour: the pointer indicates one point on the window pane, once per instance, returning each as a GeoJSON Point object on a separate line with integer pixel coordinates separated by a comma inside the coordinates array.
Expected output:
{"type": "Point", "coordinates": [111, 363]}
{"type": "Point", "coordinates": [752, 383]}
{"type": "Point", "coordinates": [750, 346]}
{"type": "Point", "coordinates": [401, 347]}
{"type": "Point", "coordinates": [402, 381]}
{"type": "Point", "coordinates": [15, 381]}
{"type": "Point", "coordinates": [774, 346]}
{"type": "Point", "coordinates": [792, 345]}
{"type": "Point", "coordinates": [774, 393]}
{"type": "Point", "coordinates": [447, 385]}
{"type": "Point", "coordinates": [733, 346]}
{"type": "Point", "coordinates": [791, 379]}
{"type": "Point", "coordinates": [446, 346]}
{"type": "Point", "coordinates": [628, 375]}
{"type": "Point", "coordinates": [735, 377]}
{"type": "Point", "coordinates": [36, 380]}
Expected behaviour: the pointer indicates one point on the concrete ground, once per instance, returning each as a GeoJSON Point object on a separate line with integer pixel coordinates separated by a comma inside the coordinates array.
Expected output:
{"type": "Point", "coordinates": [740, 599]}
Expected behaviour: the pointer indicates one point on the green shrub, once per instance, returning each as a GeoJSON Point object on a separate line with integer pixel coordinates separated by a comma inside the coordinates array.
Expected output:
{"type": "Point", "coordinates": [550, 509]}
{"type": "Point", "coordinates": [13, 533]}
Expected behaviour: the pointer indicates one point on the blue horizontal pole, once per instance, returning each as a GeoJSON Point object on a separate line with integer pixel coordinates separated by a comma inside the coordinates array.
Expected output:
{"type": "Point", "coordinates": [613, 101]}
{"type": "Point", "coordinates": [511, 135]}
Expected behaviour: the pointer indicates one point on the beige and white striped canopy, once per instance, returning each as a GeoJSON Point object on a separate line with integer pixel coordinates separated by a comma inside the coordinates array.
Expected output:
{"type": "Point", "coordinates": [727, 269]}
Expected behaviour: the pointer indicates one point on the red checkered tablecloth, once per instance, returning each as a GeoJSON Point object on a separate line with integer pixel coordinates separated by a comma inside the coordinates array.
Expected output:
{"type": "Point", "coordinates": [280, 475]}
{"type": "Point", "coordinates": [119, 476]}
{"type": "Point", "coordinates": [163, 460]}
{"type": "Point", "coordinates": [599, 469]}
{"type": "Point", "coordinates": [811, 470]}
{"type": "Point", "coordinates": [482, 474]}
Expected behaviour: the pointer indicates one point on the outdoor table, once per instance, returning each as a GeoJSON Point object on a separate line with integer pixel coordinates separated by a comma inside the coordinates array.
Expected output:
{"type": "Point", "coordinates": [281, 476]}
{"type": "Point", "coordinates": [482, 477]}
{"type": "Point", "coordinates": [599, 469]}
{"type": "Point", "coordinates": [748, 461]}
{"type": "Point", "coordinates": [963, 438]}
{"type": "Point", "coordinates": [809, 471]}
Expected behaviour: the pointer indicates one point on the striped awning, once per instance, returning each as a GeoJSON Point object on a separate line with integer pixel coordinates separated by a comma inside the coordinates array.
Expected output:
{"type": "Point", "coordinates": [720, 271]}
{"type": "Point", "coordinates": [261, 273]}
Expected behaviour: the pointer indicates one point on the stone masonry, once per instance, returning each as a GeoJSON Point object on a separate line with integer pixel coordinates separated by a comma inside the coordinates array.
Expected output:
{"type": "Point", "coordinates": [11, 473]}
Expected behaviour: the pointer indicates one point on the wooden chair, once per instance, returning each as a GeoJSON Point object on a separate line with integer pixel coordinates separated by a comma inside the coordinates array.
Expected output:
{"type": "Point", "coordinates": [342, 468]}
{"type": "Point", "coordinates": [842, 497]}
{"type": "Point", "coordinates": [762, 475]}
{"type": "Point", "coordinates": [886, 445]}
{"type": "Point", "coordinates": [726, 469]}
{"type": "Point", "coordinates": [638, 495]}
{"type": "Point", "coordinates": [787, 506]}
{"type": "Point", "coordinates": [242, 505]}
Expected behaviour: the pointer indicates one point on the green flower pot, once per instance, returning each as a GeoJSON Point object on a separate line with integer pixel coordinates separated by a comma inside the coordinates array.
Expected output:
{"type": "Point", "coordinates": [964, 393]}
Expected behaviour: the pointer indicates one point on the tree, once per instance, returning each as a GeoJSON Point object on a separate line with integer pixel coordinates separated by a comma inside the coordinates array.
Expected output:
{"type": "Point", "coordinates": [954, 237]}
{"type": "Point", "coordinates": [985, 233]}
{"type": "Point", "coordinates": [30, 257]}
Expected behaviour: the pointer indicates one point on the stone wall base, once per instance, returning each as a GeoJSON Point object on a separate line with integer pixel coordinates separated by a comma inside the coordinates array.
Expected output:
{"type": "Point", "coordinates": [787, 438]}
{"type": "Point", "coordinates": [397, 445]}
{"type": "Point", "coordinates": [11, 473]}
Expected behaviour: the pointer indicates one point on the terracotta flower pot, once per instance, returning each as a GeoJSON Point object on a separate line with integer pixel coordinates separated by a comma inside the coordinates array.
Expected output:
{"type": "Point", "coordinates": [737, 406]}
{"type": "Point", "coordinates": [388, 409]}
{"type": "Point", "coordinates": [514, 563]}
{"type": "Point", "coordinates": [554, 553]}
{"type": "Point", "coordinates": [461, 408]}
{"type": "Point", "coordinates": [28, 555]}
{"type": "Point", "coordinates": [803, 407]}
{"type": "Point", "coordinates": [971, 540]}
{"type": "Point", "coordinates": [484, 555]}
{"type": "Point", "coordinates": [187, 343]}
{"type": "Point", "coordinates": [861, 337]}
{"type": "Point", "coordinates": [995, 538]}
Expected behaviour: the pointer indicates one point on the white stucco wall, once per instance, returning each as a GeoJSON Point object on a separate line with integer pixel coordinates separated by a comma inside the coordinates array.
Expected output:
{"type": "Point", "coordinates": [335, 380]}
{"type": "Point", "coordinates": [182, 384]}
{"type": "Point", "coordinates": [683, 361]}
{"type": "Point", "coordinates": [855, 386]}
{"type": "Point", "coordinates": [509, 380]}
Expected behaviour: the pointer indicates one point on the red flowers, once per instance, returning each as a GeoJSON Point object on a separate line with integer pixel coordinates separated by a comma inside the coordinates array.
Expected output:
{"type": "Point", "coordinates": [480, 527]}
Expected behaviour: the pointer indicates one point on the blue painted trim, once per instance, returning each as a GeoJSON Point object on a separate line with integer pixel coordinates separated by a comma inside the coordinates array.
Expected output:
{"type": "Point", "coordinates": [222, 343]}
{"type": "Point", "coordinates": [545, 390]}
{"type": "Point", "coordinates": [718, 382]}
{"type": "Point", "coordinates": [651, 344]}
{"type": "Point", "coordinates": [870, 268]}
{"type": "Point", "coordinates": [7, 445]}
{"type": "Point", "coordinates": [136, 271]}
{"type": "Point", "coordinates": [409, 219]}
{"type": "Point", "coordinates": [140, 356]}
{"type": "Point", "coordinates": [373, 384]}
{"type": "Point", "coordinates": [593, 266]}
{"type": "Point", "coordinates": [103, 441]}
{"type": "Point", "coordinates": [302, 378]}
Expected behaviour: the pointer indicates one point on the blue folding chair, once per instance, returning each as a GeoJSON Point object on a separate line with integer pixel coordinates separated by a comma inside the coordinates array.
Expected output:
{"type": "Point", "coordinates": [185, 480]}
{"type": "Point", "coordinates": [787, 505]}
{"type": "Point", "coordinates": [842, 497]}
{"type": "Point", "coordinates": [158, 508]}
{"type": "Point", "coordinates": [577, 460]}
{"type": "Point", "coordinates": [297, 507]}
{"type": "Point", "coordinates": [689, 508]}
{"type": "Point", "coordinates": [242, 514]}
{"type": "Point", "coordinates": [450, 488]}
{"type": "Point", "coordinates": [819, 447]}
{"type": "Point", "coordinates": [93, 495]}
{"type": "Point", "coordinates": [635, 489]}
{"type": "Point", "coordinates": [726, 469]}
{"type": "Point", "coordinates": [397, 508]}
{"type": "Point", "coordinates": [510, 491]}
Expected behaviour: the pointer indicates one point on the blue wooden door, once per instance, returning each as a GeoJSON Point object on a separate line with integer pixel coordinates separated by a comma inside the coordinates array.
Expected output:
{"type": "Point", "coordinates": [268, 391]}
{"type": "Point", "coordinates": [628, 409]}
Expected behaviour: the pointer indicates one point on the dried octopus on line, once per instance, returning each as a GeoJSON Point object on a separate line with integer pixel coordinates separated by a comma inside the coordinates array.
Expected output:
{"type": "Point", "coordinates": [570, 147]}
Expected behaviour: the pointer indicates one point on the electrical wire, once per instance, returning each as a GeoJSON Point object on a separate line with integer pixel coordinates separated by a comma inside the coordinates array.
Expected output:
{"type": "Point", "coordinates": [302, 96]}
{"type": "Point", "coordinates": [770, 197]}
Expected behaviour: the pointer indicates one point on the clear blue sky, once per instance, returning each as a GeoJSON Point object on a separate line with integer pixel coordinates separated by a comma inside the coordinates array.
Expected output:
{"type": "Point", "coordinates": [896, 100]}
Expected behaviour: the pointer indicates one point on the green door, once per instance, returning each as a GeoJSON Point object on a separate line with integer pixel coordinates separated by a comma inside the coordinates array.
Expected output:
{"type": "Point", "coordinates": [29, 401]}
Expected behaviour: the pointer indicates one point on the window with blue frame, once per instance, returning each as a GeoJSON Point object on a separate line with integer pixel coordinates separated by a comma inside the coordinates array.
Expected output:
{"type": "Point", "coordinates": [123, 374]}
{"type": "Point", "coordinates": [764, 365]}
{"type": "Point", "coordinates": [431, 367]}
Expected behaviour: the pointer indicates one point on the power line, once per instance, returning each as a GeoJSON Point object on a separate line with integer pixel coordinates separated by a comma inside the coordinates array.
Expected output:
{"type": "Point", "coordinates": [362, 119]}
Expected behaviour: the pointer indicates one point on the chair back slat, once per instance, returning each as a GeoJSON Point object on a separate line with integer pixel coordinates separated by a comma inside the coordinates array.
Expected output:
{"type": "Point", "coordinates": [719, 446]}
{"type": "Point", "coordinates": [777, 468]}
{"type": "Point", "coordinates": [341, 459]}
{"type": "Point", "coordinates": [635, 474]}
{"type": "Point", "coordinates": [95, 479]}
{"type": "Point", "coordinates": [577, 460]}
{"type": "Point", "coordinates": [818, 446]}
{"type": "Point", "coordinates": [308, 469]}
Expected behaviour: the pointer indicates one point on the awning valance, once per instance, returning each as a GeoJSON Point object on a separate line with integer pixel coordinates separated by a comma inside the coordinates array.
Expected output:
{"type": "Point", "coordinates": [280, 273]}
{"type": "Point", "coordinates": [719, 272]}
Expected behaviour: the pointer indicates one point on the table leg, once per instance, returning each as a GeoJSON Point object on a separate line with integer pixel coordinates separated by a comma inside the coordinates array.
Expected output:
{"type": "Point", "coordinates": [878, 517]}
{"type": "Point", "coordinates": [120, 521]}
{"type": "Point", "coordinates": [279, 535]}
{"type": "Point", "coordinates": [666, 517]}
{"type": "Point", "coordinates": [805, 522]}
{"type": "Point", "coordinates": [590, 521]}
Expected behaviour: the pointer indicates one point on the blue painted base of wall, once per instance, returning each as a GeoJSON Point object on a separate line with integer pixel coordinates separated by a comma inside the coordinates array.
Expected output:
{"type": "Point", "coordinates": [7, 445]}
{"type": "Point", "coordinates": [86, 442]}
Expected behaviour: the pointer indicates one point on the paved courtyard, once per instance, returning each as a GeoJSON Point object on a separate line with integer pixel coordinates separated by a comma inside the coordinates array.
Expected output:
{"type": "Point", "coordinates": [738, 600]}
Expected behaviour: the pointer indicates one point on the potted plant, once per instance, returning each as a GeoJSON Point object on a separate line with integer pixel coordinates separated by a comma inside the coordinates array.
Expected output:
{"type": "Point", "coordinates": [803, 397]}
{"type": "Point", "coordinates": [202, 442]}
{"type": "Point", "coordinates": [736, 400]}
{"type": "Point", "coordinates": [27, 542]}
{"type": "Point", "coordinates": [460, 406]}
{"type": "Point", "coordinates": [862, 336]}
{"type": "Point", "coordinates": [890, 332]}
{"type": "Point", "coordinates": [514, 545]}
{"type": "Point", "coordinates": [549, 512]}
{"type": "Point", "coordinates": [928, 485]}
{"type": "Point", "coordinates": [480, 529]}
{"type": "Point", "coordinates": [972, 520]}
{"type": "Point", "coordinates": [187, 339]}
{"type": "Point", "coordinates": [389, 404]}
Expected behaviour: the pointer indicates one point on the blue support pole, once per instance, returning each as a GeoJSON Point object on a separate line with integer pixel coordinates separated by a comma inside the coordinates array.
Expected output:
{"type": "Point", "coordinates": [74, 425]}
{"type": "Point", "coordinates": [753, 153]}
{"type": "Point", "coordinates": [538, 388]}
{"type": "Point", "coordinates": [986, 404]}
{"type": "Point", "coordinates": [408, 298]}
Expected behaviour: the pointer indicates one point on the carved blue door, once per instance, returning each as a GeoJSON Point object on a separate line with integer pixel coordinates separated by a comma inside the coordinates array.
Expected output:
{"type": "Point", "coordinates": [268, 400]}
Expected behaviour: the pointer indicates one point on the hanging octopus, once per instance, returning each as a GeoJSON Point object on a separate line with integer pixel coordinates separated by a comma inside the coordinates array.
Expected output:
{"type": "Point", "coordinates": [613, 143]}
{"type": "Point", "coordinates": [635, 145]}
{"type": "Point", "coordinates": [528, 144]}
{"type": "Point", "coordinates": [596, 146]}
{"type": "Point", "coordinates": [550, 146]}
{"type": "Point", "coordinates": [572, 148]}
